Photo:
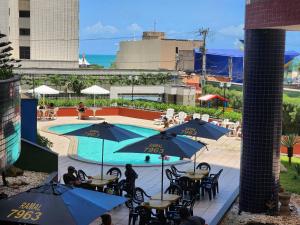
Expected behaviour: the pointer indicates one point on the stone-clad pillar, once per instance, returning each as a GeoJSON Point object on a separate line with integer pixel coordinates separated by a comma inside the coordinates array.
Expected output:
{"type": "Point", "coordinates": [262, 113]}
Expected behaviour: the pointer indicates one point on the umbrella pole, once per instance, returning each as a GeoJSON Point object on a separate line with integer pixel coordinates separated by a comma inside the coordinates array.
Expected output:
{"type": "Point", "coordinates": [94, 102]}
{"type": "Point", "coordinates": [102, 159]}
{"type": "Point", "coordinates": [195, 158]}
{"type": "Point", "coordinates": [195, 162]}
{"type": "Point", "coordinates": [162, 177]}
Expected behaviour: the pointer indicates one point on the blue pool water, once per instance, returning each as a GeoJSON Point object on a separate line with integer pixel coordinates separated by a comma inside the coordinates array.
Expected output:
{"type": "Point", "coordinates": [91, 148]}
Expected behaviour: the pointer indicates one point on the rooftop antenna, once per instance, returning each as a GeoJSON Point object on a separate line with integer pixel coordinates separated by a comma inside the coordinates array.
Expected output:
{"type": "Point", "coordinates": [154, 26]}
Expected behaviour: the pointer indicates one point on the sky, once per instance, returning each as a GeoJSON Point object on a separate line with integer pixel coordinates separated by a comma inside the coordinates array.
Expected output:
{"type": "Point", "coordinates": [103, 24]}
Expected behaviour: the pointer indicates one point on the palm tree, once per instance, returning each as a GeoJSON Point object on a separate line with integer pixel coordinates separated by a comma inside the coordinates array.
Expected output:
{"type": "Point", "coordinates": [76, 84]}
{"type": "Point", "coordinates": [56, 81]}
{"type": "Point", "coordinates": [289, 141]}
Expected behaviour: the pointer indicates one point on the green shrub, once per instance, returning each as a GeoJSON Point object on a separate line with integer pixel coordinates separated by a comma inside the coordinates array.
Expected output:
{"type": "Point", "coordinates": [215, 113]}
{"type": "Point", "coordinates": [43, 141]}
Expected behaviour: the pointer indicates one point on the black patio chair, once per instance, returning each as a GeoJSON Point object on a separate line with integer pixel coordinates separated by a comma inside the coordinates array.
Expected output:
{"type": "Point", "coordinates": [133, 212]}
{"type": "Point", "coordinates": [188, 186]}
{"type": "Point", "coordinates": [177, 173]}
{"type": "Point", "coordinates": [147, 217]}
{"type": "Point", "coordinates": [115, 172]}
{"type": "Point", "coordinates": [204, 166]}
{"type": "Point", "coordinates": [81, 175]}
{"type": "Point", "coordinates": [208, 186]}
{"type": "Point", "coordinates": [216, 180]}
{"type": "Point", "coordinates": [173, 215]}
{"type": "Point", "coordinates": [116, 188]}
{"type": "Point", "coordinates": [174, 189]}
{"type": "Point", "coordinates": [170, 176]}
{"type": "Point", "coordinates": [211, 185]}
{"type": "Point", "coordinates": [139, 195]}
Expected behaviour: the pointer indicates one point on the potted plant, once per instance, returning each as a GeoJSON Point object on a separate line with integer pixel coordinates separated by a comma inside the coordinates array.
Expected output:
{"type": "Point", "coordinates": [9, 110]}
{"type": "Point", "coordinates": [289, 141]}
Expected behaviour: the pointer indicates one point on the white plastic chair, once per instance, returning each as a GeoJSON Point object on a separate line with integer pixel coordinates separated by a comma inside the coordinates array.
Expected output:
{"type": "Point", "coordinates": [181, 117]}
{"type": "Point", "coordinates": [225, 122]}
{"type": "Point", "coordinates": [205, 117]}
{"type": "Point", "coordinates": [196, 116]}
{"type": "Point", "coordinates": [169, 115]}
{"type": "Point", "coordinates": [55, 110]}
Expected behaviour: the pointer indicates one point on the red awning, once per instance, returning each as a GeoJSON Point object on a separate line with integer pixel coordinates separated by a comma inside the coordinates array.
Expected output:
{"type": "Point", "coordinates": [211, 97]}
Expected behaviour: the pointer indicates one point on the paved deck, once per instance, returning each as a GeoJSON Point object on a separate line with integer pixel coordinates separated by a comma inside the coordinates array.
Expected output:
{"type": "Point", "coordinates": [224, 153]}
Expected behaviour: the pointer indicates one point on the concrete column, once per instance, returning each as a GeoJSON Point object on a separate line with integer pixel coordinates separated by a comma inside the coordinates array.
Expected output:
{"type": "Point", "coordinates": [262, 113]}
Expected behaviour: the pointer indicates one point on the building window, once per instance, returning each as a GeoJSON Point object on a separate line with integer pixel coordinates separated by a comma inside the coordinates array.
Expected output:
{"type": "Point", "coordinates": [24, 13]}
{"type": "Point", "coordinates": [24, 32]}
{"type": "Point", "coordinates": [24, 52]}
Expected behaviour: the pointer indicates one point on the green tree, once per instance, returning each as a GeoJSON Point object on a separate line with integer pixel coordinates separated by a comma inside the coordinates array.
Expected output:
{"type": "Point", "coordinates": [56, 81]}
{"type": "Point", "coordinates": [7, 63]}
{"type": "Point", "coordinates": [76, 84]}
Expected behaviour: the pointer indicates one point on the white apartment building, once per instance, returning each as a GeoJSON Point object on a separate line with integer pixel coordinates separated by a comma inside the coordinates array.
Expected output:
{"type": "Point", "coordinates": [44, 33]}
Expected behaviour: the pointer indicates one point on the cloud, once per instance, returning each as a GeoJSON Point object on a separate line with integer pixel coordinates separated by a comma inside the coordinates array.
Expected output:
{"type": "Point", "coordinates": [135, 28]}
{"type": "Point", "coordinates": [99, 28]}
{"type": "Point", "coordinates": [233, 31]}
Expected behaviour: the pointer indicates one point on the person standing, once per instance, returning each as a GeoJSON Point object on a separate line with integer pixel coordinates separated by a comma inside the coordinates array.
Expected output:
{"type": "Point", "coordinates": [131, 176]}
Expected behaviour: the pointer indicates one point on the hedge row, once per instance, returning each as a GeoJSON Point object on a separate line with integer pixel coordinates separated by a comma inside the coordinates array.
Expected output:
{"type": "Point", "coordinates": [215, 113]}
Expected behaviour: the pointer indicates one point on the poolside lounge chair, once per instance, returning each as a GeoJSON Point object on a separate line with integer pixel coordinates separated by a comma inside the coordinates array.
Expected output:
{"type": "Point", "coordinates": [205, 117]}
{"type": "Point", "coordinates": [181, 117]}
{"type": "Point", "coordinates": [196, 116]}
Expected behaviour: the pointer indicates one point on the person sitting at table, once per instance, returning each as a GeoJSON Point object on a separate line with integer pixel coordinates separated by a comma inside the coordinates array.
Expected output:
{"type": "Point", "coordinates": [51, 107]}
{"type": "Point", "coordinates": [131, 176]}
{"type": "Point", "coordinates": [187, 219]}
{"type": "Point", "coordinates": [70, 178]}
{"type": "Point", "coordinates": [81, 110]}
{"type": "Point", "coordinates": [106, 219]}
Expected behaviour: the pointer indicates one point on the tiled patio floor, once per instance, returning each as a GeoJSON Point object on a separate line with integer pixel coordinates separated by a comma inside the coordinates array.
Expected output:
{"type": "Point", "coordinates": [224, 153]}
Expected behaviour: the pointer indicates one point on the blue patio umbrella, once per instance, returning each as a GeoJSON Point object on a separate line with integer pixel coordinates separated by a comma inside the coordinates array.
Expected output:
{"type": "Point", "coordinates": [165, 144]}
{"type": "Point", "coordinates": [104, 131]}
{"type": "Point", "coordinates": [57, 204]}
{"type": "Point", "coordinates": [199, 128]}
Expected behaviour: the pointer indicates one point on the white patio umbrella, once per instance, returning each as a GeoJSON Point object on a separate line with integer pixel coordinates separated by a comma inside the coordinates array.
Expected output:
{"type": "Point", "coordinates": [44, 90]}
{"type": "Point", "coordinates": [95, 90]}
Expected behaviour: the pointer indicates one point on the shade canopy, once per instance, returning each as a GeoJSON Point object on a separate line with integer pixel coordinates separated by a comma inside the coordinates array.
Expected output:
{"type": "Point", "coordinates": [105, 131]}
{"type": "Point", "coordinates": [57, 204]}
{"type": "Point", "coordinates": [165, 144]}
{"type": "Point", "coordinates": [211, 97]}
{"type": "Point", "coordinates": [199, 128]}
{"type": "Point", "coordinates": [95, 90]}
{"type": "Point", "coordinates": [44, 90]}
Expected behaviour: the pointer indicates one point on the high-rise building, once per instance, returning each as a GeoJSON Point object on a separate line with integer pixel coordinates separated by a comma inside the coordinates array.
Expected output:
{"type": "Point", "coordinates": [44, 34]}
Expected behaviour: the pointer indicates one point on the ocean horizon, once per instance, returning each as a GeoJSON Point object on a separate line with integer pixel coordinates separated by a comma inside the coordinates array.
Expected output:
{"type": "Point", "coordinates": [103, 60]}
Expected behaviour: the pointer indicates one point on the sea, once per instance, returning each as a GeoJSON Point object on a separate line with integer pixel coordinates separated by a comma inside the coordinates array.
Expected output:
{"type": "Point", "coordinates": [103, 60]}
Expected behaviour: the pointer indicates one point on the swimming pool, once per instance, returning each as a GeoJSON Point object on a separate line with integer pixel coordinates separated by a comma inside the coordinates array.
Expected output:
{"type": "Point", "coordinates": [90, 148]}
